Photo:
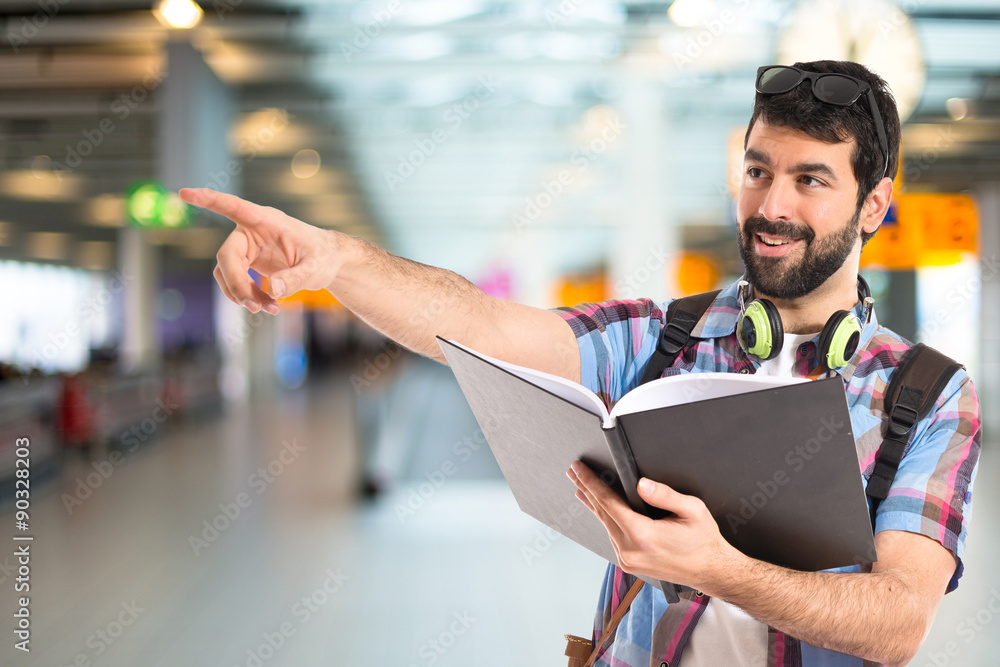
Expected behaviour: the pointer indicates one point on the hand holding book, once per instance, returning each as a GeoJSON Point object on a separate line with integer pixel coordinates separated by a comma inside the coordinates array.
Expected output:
{"type": "Point", "coordinates": [773, 462]}
{"type": "Point", "coordinates": [678, 548]}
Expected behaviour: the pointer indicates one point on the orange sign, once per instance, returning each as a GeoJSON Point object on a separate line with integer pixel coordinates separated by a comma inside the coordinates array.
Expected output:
{"type": "Point", "coordinates": [924, 229]}
{"type": "Point", "coordinates": [949, 224]}
{"type": "Point", "coordinates": [697, 272]}
{"type": "Point", "coordinates": [309, 299]}
{"type": "Point", "coordinates": [574, 289]}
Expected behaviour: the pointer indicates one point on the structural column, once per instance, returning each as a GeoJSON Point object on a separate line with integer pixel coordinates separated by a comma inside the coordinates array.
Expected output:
{"type": "Point", "coordinates": [138, 263]}
{"type": "Point", "coordinates": [645, 242]}
{"type": "Point", "coordinates": [988, 379]}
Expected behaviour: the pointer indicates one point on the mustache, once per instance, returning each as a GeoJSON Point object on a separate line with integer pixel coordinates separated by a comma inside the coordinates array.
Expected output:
{"type": "Point", "coordinates": [757, 225]}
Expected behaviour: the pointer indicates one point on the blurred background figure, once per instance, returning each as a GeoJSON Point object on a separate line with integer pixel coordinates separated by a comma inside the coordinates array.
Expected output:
{"type": "Point", "coordinates": [210, 487]}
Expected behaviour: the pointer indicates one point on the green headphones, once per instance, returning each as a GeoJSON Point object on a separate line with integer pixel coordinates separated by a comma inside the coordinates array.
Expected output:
{"type": "Point", "coordinates": [760, 332]}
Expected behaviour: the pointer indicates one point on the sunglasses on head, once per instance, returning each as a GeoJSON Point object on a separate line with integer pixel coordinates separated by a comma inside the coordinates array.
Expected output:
{"type": "Point", "coordinates": [837, 89]}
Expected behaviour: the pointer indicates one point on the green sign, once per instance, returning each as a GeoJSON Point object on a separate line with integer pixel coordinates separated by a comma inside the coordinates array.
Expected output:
{"type": "Point", "coordinates": [148, 204]}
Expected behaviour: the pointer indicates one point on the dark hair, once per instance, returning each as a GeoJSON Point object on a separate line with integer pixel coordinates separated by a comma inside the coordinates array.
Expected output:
{"type": "Point", "coordinates": [799, 109]}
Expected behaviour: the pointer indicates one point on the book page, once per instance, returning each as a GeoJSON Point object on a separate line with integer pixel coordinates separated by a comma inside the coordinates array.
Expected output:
{"type": "Point", "coordinates": [575, 393]}
{"type": "Point", "coordinates": [692, 387]}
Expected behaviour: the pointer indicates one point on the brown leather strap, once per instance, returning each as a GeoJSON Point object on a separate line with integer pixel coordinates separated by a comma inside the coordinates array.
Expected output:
{"type": "Point", "coordinates": [578, 650]}
{"type": "Point", "coordinates": [609, 629]}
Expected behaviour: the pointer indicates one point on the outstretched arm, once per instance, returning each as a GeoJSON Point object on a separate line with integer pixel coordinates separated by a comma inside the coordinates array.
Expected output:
{"type": "Point", "coordinates": [405, 300]}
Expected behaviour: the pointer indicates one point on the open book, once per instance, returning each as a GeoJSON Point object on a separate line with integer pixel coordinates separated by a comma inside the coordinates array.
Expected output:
{"type": "Point", "coordinates": [774, 459]}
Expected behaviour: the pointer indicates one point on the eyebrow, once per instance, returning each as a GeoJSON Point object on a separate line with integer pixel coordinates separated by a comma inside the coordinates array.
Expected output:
{"type": "Point", "coordinates": [821, 168]}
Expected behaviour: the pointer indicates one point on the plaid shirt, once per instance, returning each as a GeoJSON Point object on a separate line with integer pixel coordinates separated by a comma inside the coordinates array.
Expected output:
{"type": "Point", "coordinates": [931, 494]}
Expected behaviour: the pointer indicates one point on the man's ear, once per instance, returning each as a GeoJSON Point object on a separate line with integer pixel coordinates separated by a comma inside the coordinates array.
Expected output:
{"type": "Point", "coordinates": [876, 206]}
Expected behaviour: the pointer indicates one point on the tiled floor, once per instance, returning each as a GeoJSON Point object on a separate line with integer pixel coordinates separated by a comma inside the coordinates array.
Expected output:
{"type": "Point", "coordinates": [303, 576]}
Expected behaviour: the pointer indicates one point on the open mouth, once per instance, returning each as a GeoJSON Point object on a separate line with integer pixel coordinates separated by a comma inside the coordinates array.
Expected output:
{"type": "Point", "coordinates": [774, 245]}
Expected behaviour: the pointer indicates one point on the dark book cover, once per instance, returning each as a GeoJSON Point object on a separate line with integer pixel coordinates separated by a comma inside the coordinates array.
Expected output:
{"type": "Point", "coordinates": [777, 467]}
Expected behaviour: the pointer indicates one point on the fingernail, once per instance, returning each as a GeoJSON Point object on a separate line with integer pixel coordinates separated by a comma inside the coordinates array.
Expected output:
{"type": "Point", "coordinates": [645, 485]}
{"type": "Point", "coordinates": [250, 305]}
{"type": "Point", "coordinates": [271, 308]}
{"type": "Point", "coordinates": [277, 288]}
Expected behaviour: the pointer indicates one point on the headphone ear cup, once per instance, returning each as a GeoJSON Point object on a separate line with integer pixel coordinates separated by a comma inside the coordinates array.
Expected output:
{"type": "Point", "coordinates": [839, 339]}
{"type": "Point", "coordinates": [777, 329]}
{"type": "Point", "coordinates": [759, 330]}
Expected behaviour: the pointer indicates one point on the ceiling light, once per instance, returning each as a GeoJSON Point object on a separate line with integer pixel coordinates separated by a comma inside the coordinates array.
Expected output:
{"type": "Point", "coordinates": [306, 163]}
{"type": "Point", "coordinates": [107, 210]}
{"type": "Point", "coordinates": [323, 182]}
{"type": "Point", "coordinates": [182, 14]}
{"type": "Point", "coordinates": [41, 164]}
{"type": "Point", "coordinates": [40, 185]}
{"type": "Point", "coordinates": [690, 13]}
{"type": "Point", "coordinates": [267, 132]}
{"type": "Point", "coordinates": [200, 242]}
{"type": "Point", "coordinates": [95, 255]}
{"type": "Point", "coordinates": [958, 108]}
{"type": "Point", "coordinates": [48, 245]}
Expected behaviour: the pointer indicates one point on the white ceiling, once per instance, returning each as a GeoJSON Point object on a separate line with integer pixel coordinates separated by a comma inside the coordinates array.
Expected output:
{"type": "Point", "coordinates": [367, 106]}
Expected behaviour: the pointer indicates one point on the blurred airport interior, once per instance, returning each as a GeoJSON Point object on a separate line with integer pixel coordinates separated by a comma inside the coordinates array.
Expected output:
{"type": "Point", "coordinates": [212, 487]}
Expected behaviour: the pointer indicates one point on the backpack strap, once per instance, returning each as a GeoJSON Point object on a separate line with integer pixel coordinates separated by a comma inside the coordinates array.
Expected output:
{"type": "Point", "coordinates": [914, 389]}
{"type": "Point", "coordinates": [681, 317]}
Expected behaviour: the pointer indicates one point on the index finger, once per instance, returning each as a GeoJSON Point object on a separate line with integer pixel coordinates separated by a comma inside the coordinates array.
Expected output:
{"type": "Point", "coordinates": [240, 211]}
{"type": "Point", "coordinates": [602, 495]}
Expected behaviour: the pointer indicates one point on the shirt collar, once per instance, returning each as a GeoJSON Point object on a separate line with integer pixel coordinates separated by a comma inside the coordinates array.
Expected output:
{"type": "Point", "coordinates": [719, 321]}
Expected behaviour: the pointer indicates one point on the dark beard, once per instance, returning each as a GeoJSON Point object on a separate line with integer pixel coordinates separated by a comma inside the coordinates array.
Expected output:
{"type": "Point", "coordinates": [776, 277]}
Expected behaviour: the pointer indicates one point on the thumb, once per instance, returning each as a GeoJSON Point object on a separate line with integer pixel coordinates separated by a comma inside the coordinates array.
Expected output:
{"type": "Point", "coordinates": [314, 268]}
{"type": "Point", "coordinates": [665, 498]}
{"type": "Point", "coordinates": [285, 282]}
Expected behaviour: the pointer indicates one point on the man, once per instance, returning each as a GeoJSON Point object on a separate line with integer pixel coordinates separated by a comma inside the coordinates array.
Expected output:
{"type": "Point", "coordinates": [817, 183]}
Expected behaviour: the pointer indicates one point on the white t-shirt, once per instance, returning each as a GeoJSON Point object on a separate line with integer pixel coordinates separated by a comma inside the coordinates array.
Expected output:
{"type": "Point", "coordinates": [725, 634]}
{"type": "Point", "coordinates": [783, 365]}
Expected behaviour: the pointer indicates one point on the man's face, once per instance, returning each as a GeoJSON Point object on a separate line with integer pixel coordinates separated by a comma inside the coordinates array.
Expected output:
{"type": "Point", "coordinates": [797, 211]}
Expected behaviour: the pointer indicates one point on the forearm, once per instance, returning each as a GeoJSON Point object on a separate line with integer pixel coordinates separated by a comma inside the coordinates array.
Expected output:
{"type": "Point", "coordinates": [409, 302]}
{"type": "Point", "coordinates": [412, 303]}
{"type": "Point", "coordinates": [870, 615]}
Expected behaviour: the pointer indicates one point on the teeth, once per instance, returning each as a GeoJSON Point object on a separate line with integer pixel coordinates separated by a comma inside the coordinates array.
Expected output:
{"type": "Point", "coordinates": [773, 243]}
